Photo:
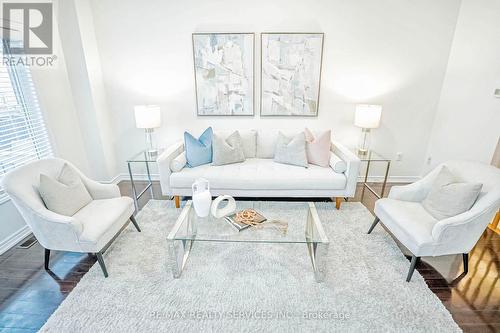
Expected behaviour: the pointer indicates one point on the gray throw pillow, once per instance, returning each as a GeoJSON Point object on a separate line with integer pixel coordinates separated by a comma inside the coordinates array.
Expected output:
{"type": "Point", "coordinates": [449, 197]}
{"type": "Point", "coordinates": [227, 151]}
{"type": "Point", "coordinates": [65, 195]}
{"type": "Point", "coordinates": [291, 150]}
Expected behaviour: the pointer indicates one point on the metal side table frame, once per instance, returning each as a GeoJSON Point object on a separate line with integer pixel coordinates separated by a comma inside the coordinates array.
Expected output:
{"type": "Point", "coordinates": [146, 158]}
{"type": "Point", "coordinates": [370, 157]}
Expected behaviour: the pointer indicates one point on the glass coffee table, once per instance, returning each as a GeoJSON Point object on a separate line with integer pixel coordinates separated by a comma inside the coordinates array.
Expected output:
{"type": "Point", "coordinates": [304, 227]}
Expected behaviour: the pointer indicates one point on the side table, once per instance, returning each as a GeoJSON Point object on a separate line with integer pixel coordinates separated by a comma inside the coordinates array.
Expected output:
{"type": "Point", "coordinates": [145, 158]}
{"type": "Point", "coordinates": [369, 158]}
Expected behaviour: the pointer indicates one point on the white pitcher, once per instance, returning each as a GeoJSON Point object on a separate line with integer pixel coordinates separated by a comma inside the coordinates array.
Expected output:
{"type": "Point", "coordinates": [202, 199]}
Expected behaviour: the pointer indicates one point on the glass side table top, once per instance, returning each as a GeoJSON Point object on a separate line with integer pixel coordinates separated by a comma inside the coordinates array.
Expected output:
{"type": "Point", "coordinates": [304, 227]}
{"type": "Point", "coordinates": [371, 156]}
{"type": "Point", "coordinates": [144, 156]}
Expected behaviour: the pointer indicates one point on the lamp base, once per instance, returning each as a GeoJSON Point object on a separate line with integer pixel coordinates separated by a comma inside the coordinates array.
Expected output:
{"type": "Point", "coordinates": [363, 152]}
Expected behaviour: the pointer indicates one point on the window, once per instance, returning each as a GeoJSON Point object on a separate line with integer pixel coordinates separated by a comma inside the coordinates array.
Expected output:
{"type": "Point", "coordinates": [23, 135]}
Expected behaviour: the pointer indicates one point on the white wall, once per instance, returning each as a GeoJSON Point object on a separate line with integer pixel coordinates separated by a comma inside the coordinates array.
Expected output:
{"type": "Point", "coordinates": [468, 115]}
{"type": "Point", "coordinates": [389, 52]}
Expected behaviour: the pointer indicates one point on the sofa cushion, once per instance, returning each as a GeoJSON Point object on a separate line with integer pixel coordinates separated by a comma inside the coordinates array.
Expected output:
{"type": "Point", "coordinates": [178, 163]}
{"type": "Point", "coordinates": [266, 141]}
{"type": "Point", "coordinates": [248, 140]}
{"type": "Point", "coordinates": [337, 164]}
{"type": "Point", "coordinates": [261, 174]}
{"type": "Point", "coordinates": [291, 150]}
{"type": "Point", "coordinates": [227, 150]}
{"type": "Point", "coordinates": [198, 151]}
{"type": "Point", "coordinates": [318, 147]}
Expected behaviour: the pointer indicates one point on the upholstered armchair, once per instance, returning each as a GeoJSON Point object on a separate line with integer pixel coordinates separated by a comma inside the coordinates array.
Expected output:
{"type": "Point", "coordinates": [404, 216]}
{"type": "Point", "coordinates": [90, 230]}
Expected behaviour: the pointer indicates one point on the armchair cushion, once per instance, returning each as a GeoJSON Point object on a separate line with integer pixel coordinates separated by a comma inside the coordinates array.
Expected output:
{"type": "Point", "coordinates": [449, 197]}
{"type": "Point", "coordinates": [409, 222]}
{"type": "Point", "coordinates": [101, 220]}
{"type": "Point", "coordinates": [65, 195]}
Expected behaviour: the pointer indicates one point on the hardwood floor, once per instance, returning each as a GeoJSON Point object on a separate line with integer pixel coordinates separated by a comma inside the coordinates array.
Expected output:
{"type": "Point", "coordinates": [29, 294]}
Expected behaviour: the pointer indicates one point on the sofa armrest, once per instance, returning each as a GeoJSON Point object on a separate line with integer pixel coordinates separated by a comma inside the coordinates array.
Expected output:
{"type": "Point", "coordinates": [163, 162]}
{"type": "Point", "coordinates": [353, 164]}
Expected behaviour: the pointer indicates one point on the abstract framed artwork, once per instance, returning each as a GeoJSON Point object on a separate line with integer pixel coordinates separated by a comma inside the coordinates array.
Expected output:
{"type": "Point", "coordinates": [290, 74]}
{"type": "Point", "coordinates": [224, 73]}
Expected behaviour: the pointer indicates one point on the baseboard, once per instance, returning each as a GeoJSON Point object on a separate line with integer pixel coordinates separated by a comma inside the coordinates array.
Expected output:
{"type": "Point", "coordinates": [15, 238]}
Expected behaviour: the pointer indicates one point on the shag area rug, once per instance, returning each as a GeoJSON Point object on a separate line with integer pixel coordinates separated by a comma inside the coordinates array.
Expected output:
{"type": "Point", "coordinates": [253, 287]}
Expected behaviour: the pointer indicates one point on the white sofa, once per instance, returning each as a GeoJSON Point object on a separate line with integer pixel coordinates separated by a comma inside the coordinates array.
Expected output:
{"type": "Point", "coordinates": [259, 175]}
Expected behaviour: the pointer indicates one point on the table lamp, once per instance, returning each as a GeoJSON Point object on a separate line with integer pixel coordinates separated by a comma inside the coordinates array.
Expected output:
{"type": "Point", "coordinates": [366, 117]}
{"type": "Point", "coordinates": [149, 118]}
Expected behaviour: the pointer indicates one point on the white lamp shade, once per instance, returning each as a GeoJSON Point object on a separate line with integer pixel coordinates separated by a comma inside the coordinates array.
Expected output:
{"type": "Point", "coordinates": [367, 116]}
{"type": "Point", "coordinates": [147, 116]}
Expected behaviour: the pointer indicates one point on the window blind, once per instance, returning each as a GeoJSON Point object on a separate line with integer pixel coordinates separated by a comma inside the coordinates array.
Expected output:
{"type": "Point", "coordinates": [23, 135]}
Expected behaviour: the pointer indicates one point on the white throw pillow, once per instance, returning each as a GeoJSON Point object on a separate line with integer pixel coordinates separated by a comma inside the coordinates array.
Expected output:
{"type": "Point", "coordinates": [248, 140]}
{"type": "Point", "coordinates": [449, 197]}
{"type": "Point", "coordinates": [291, 150]}
{"type": "Point", "coordinates": [227, 150]}
{"type": "Point", "coordinates": [266, 143]}
{"type": "Point", "coordinates": [65, 195]}
{"type": "Point", "coordinates": [178, 163]}
{"type": "Point", "coordinates": [337, 164]}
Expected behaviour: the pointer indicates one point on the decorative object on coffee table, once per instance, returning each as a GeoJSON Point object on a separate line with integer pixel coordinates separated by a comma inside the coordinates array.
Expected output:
{"type": "Point", "coordinates": [218, 211]}
{"type": "Point", "coordinates": [202, 199]}
{"type": "Point", "coordinates": [290, 73]}
{"type": "Point", "coordinates": [148, 117]}
{"type": "Point", "coordinates": [223, 64]}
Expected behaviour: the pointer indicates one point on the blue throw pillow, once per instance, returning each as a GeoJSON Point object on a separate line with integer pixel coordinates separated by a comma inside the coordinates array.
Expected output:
{"type": "Point", "coordinates": [198, 151]}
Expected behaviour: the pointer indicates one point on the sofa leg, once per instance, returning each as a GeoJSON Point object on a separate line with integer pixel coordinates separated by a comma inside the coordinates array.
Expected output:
{"type": "Point", "coordinates": [465, 257]}
{"type": "Point", "coordinates": [414, 261]}
{"type": "Point", "coordinates": [177, 201]}
{"type": "Point", "coordinates": [377, 220]}
{"type": "Point", "coordinates": [132, 219]}
{"type": "Point", "coordinates": [102, 264]}
{"type": "Point", "coordinates": [47, 259]}
{"type": "Point", "coordinates": [338, 201]}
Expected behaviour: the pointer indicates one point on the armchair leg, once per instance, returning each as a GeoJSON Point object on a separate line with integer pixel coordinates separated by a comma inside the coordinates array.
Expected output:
{"type": "Point", "coordinates": [465, 257]}
{"type": "Point", "coordinates": [132, 219]}
{"type": "Point", "coordinates": [377, 220]}
{"type": "Point", "coordinates": [414, 261]}
{"type": "Point", "coordinates": [47, 259]}
{"type": "Point", "coordinates": [101, 263]}
{"type": "Point", "coordinates": [338, 201]}
{"type": "Point", "coordinates": [177, 201]}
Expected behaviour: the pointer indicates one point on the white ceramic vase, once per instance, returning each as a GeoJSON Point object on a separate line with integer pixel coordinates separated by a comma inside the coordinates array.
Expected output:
{"type": "Point", "coordinates": [202, 199]}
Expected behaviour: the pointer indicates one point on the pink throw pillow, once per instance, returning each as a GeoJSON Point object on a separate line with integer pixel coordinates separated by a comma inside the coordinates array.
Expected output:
{"type": "Point", "coordinates": [318, 149]}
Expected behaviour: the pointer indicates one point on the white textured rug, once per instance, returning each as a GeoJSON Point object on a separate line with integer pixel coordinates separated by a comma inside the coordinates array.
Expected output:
{"type": "Point", "coordinates": [244, 287]}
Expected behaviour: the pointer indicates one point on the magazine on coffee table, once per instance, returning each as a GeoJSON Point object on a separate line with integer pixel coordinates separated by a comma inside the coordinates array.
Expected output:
{"type": "Point", "coordinates": [231, 219]}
